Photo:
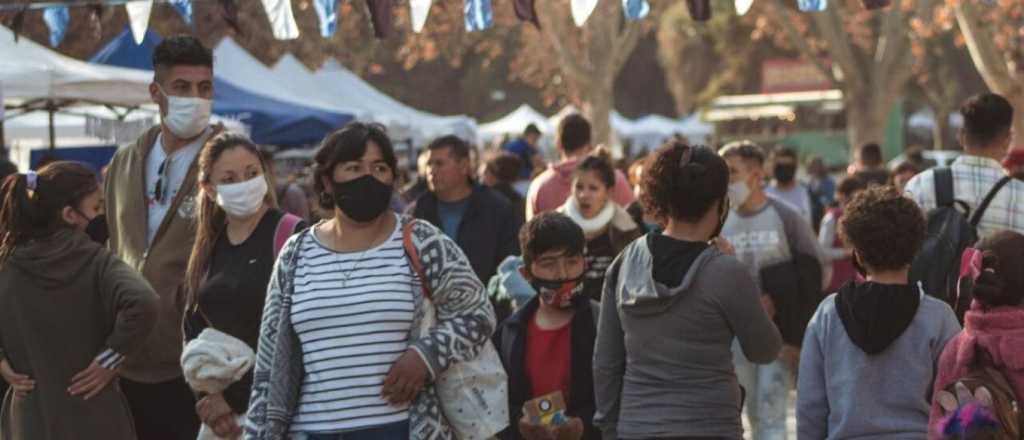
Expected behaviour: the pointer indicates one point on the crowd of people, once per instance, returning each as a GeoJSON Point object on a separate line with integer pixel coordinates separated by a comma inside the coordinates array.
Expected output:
{"type": "Point", "coordinates": [703, 286]}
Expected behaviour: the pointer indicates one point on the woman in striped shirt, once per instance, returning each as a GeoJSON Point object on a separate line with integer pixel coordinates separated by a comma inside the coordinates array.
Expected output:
{"type": "Point", "coordinates": [350, 361]}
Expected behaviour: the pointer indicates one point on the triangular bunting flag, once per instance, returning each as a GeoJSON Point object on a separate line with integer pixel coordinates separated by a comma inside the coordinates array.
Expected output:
{"type": "Point", "coordinates": [812, 5]}
{"type": "Point", "coordinates": [700, 10]}
{"type": "Point", "coordinates": [184, 8]}
{"type": "Point", "coordinates": [478, 15]}
{"type": "Point", "coordinates": [525, 11]}
{"type": "Point", "coordinates": [380, 15]}
{"type": "Point", "coordinates": [56, 18]}
{"type": "Point", "coordinates": [581, 10]}
{"type": "Point", "coordinates": [635, 9]}
{"type": "Point", "coordinates": [743, 6]}
{"type": "Point", "coordinates": [282, 21]}
{"type": "Point", "coordinates": [327, 11]}
{"type": "Point", "coordinates": [138, 17]}
{"type": "Point", "coordinates": [419, 10]}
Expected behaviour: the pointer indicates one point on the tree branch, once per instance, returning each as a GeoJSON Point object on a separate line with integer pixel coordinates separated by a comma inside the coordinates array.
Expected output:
{"type": "Point", "coordinates": [830, 27]}
{"type": "Point", "coordinates": [554, 26]}
{"type": "Point", "coordinates": [623, 45]}
{"type": "Point", "coordinates": [801, 44]}
{"type": "Point", "coordinates": [981, 46]}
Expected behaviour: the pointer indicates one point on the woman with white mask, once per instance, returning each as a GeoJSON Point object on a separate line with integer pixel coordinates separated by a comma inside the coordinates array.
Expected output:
{"type": "Point", "coordinates": [239, 232]}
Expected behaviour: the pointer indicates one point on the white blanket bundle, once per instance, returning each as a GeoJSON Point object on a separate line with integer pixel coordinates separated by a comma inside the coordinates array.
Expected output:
{"type": "Point", "coordinates": [212, 362]}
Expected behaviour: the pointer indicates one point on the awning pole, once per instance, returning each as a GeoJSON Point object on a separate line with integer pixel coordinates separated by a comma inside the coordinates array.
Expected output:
{"type": "Point", "coordinates": [53, 131]}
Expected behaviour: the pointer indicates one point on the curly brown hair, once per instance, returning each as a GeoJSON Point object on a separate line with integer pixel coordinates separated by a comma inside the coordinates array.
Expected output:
{"type": "Point", "coordinates": [885, 228]}
{"type": "Point", "coordinates": [683, 182]}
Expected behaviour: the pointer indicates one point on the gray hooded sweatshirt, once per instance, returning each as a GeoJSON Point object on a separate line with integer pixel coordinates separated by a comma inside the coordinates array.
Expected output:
{"type": "Point", "coordinates": [662, 362]}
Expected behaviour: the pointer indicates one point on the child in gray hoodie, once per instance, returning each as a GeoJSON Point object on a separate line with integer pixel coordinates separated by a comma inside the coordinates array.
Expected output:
{"type": "Point", "coordinates": [870, 352]}
{"type": "Point", "coordinates": [673, 303]}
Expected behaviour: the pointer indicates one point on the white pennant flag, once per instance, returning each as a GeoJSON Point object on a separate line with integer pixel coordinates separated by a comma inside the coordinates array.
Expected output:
{"type": "Point", "coordinates": [743, 6]}
{"type": "Point", "coordinates": [282, 21]}
{"type": "Point", "coordinates": [581, 10]}
{"type": "Point", "coordinates": [138, 17]}
{"type": "Point", "coordinates": [420, 10]}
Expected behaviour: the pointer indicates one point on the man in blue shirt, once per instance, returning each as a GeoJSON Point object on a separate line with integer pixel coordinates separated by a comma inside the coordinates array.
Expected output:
{"type": "Point", "coordinates": [526, 149]}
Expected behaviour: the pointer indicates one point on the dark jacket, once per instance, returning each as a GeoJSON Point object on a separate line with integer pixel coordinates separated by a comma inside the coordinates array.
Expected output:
{"type": "Point", "coordinates": [517, 200]}
{"type": "Point", "coordinates": [510, 341]}
{"type": "Point", "coordinates": [488, 232]}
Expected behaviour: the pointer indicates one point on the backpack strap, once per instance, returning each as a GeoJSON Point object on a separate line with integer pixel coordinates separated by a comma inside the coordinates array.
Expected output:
{"type": "Point", "coordinates": [414, 257]}
{"type": "Point", "coordinates": [285, 228]}
{"type": "Point", "coordinates": [944, 188]}
{"type": "Point", "coordinates": [978, 213]}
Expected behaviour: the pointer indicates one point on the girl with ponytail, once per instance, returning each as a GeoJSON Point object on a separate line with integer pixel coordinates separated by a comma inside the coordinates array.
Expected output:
{"type": "Point", "coordinates": [993, 332]}
{"type": "Point", "coordinates": [76, 313]}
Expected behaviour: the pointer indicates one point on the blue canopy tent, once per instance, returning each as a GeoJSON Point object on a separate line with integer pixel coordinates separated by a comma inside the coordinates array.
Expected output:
{"type": "Point", "coordinates": [270, 121]}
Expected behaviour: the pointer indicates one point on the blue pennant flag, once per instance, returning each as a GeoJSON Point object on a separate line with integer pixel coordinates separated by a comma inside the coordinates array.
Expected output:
{"type": "Point", "coordinates": [635, 9]}
{"type": "Point", "coordinates": [184, 8]}
{"type": "Point", "coordinates": [56, 18]}
{"type": "Point", "coordinates": [812, 5]}
{"type": "Point", "coordinates": [327, 10]}
{"type": "Point", "coordinates": [478, 15]}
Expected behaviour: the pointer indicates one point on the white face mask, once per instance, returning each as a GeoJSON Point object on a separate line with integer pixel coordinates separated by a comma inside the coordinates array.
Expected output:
{"type": "Point", "coordinates": [242, 199]}
{"type": "Point", "coordinates": [187, 117]}
{"type": "Point", "coordinates": [739, 192]}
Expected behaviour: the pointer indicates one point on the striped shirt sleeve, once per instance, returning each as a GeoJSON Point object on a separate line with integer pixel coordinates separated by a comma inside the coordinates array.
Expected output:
{"type": "Point", "coordinates": [110, 359]}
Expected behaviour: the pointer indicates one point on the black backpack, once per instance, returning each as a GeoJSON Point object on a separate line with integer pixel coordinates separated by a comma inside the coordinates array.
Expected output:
{"type": "Point", "coordinates": [937, 265]}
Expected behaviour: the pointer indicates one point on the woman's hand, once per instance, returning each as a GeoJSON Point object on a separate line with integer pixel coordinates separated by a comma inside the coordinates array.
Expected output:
{"type": "Point", "coordinates": [723, 246]}
{"type": "Point", "coordinates": [226, 427]}
{"type": "Point", "coordinates": [572, 429]}
{"type": "Point", "coordinates": [91, 381]}
{"type": "Point", "coordinates": [20, 383]}
{"type": "Point", "coordinates": [405, 380]}
{"type": "Point", "coordinates": [212, 408]}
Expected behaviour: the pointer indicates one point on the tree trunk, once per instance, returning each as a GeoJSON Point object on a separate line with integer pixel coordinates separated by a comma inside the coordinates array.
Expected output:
{"type": "Point", "coordinates": [941, 129]}
{"type": "Point", "coordinates": [599, 100]}
{"type": "Point", "coordinates": [1017, 100]}
{"type": "Point", "coordinates": [866, 116]}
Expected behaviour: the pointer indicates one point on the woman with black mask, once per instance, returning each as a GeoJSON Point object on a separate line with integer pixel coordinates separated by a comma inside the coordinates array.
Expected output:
{"type": "Point", "coordinates": [340, 347]}
{"type": "Point", "coordinates": [673, 304]}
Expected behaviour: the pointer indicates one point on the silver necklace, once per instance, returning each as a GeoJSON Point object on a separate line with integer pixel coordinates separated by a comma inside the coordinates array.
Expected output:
{"type": "Point", "coordinates": [348, 274]}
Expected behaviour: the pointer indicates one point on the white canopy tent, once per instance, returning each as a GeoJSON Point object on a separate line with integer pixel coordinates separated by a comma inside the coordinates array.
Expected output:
{"type": "Point", "coordinates": [514, 123]}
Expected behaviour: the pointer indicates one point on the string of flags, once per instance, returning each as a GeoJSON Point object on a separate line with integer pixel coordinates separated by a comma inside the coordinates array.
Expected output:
{"type": "Point", "coordinates": [479, 15]}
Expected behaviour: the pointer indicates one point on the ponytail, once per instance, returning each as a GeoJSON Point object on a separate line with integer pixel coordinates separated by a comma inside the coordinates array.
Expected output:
{"type": "Point", "coordinates": [599, 162]}
{"type": "Point", "coordinates": [1001, 282]}
{"type": "Point", "coordinates": [31, 203]}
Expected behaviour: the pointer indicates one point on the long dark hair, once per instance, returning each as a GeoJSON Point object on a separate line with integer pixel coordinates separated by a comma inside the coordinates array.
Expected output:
{"type": "Point", "coordinates": [211, 219]}
{"type": "Point", "coordinates": [28, 213]}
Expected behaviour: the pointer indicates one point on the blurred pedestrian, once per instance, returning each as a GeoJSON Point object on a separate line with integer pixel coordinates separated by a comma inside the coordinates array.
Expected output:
{"type": "Point", "coordinates": [547, 346]}
{"type": "Point", "coordinates": [673, 304]}
{"type": "Point", "coordinates": [291, 198]}
{"type": "Point", "coordinates": [526, 149]}
{"type": "Point", "coordinates": [151, 205]}
{"type": "Point", "coordinates": [606, 225]}
{"type": "Point", "coordinates": [1014, 163]}
{"type": "Point", "coordinates": [636, 209]}
{"type": "Point", "coordinates": [821, 183]}
{"type": "Point", "coordinates": [480, 220]}
{"type": "Point", "coordinates": [76, 313]}
{"type": "Point", "coordinates": [837, 251]}
{"type": "Point", "coordinates": [871, 350]}
{"type": "Point", "coordinates": [341, 308]}
{"type": "Point", "coordinates": [785, 186]}
{"type": "Point", "coordinates": [499, 173]}
{"type": "Point", "coordinates": [416, 188]}
{"type": "Point", "coordinates": [902, 175]}
{"type": "Point", "coordinates": [776, 244]}
{"type": "Point", "coordinates": [870, 165]}
{"type": "Point", "coordinates": [237, 236]}
{"type": "Point", "coordinates": [994, 327]}
{"type": "Point", "coordinates": [552, 188]}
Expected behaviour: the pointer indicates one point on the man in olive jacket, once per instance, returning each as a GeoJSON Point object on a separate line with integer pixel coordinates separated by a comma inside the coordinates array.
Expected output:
{"type": "Point", "coordinates": [150, 198]}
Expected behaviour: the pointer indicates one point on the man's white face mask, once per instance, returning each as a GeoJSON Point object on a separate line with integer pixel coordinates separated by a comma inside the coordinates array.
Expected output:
{"type": "Point", "coordinates": [186, 117]}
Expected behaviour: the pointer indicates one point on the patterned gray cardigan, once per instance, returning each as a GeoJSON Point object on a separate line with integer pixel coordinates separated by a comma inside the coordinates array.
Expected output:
{"type": "Point", "coordinates": [465, 322]}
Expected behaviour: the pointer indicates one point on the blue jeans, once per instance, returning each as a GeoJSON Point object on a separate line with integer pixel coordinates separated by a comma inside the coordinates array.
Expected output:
{"type": "Point", "coordinates": [767, 388]}
{"type": "Point", "coordinates": [393, 431]}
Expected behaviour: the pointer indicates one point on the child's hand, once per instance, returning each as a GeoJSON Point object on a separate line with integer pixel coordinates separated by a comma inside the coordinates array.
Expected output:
{"type": "Point", "coordinates": [530, 431]}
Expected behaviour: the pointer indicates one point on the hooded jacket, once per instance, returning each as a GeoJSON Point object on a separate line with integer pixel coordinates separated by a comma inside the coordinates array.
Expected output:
{"type": "Point", "coordinates": [1000, 331]}
{"type": "Point", "coordinates": [162, 263]}
{"type": "Point", "coordinates": [844, 391]}
{"type": "Point", "coordinates": [75, 302]}
{"type": "Point", "coordinates": [550, 189]}
{"type": "Point", "coordinates": [663, 362]}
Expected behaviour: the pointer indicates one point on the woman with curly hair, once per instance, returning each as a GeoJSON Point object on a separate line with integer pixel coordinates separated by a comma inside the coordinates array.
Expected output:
{"type": "Point", "coordinates": [879, 338]}
{"type": "Point", "coordinates": [673, 304]}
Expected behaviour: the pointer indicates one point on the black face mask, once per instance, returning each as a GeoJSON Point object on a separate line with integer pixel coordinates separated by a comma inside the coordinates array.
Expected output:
{"type": "Point", "coordinates": [362, 199]}
{"type": "Point", "coordinates": [558, 293]}
{"type": "Point", "coordinates": [785, 173]}
{"type": "Point", "coordinates": [97, 229]}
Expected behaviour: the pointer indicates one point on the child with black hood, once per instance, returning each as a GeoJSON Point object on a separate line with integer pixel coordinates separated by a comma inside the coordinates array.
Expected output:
{"type": "Point", "coordinates": [870, 351]}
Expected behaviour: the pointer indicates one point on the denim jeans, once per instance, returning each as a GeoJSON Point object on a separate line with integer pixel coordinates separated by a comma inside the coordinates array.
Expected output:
{"type": "Point", "coordinates": [767, 388]}
{"type": "Point", "coordinates": [393, 431]}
